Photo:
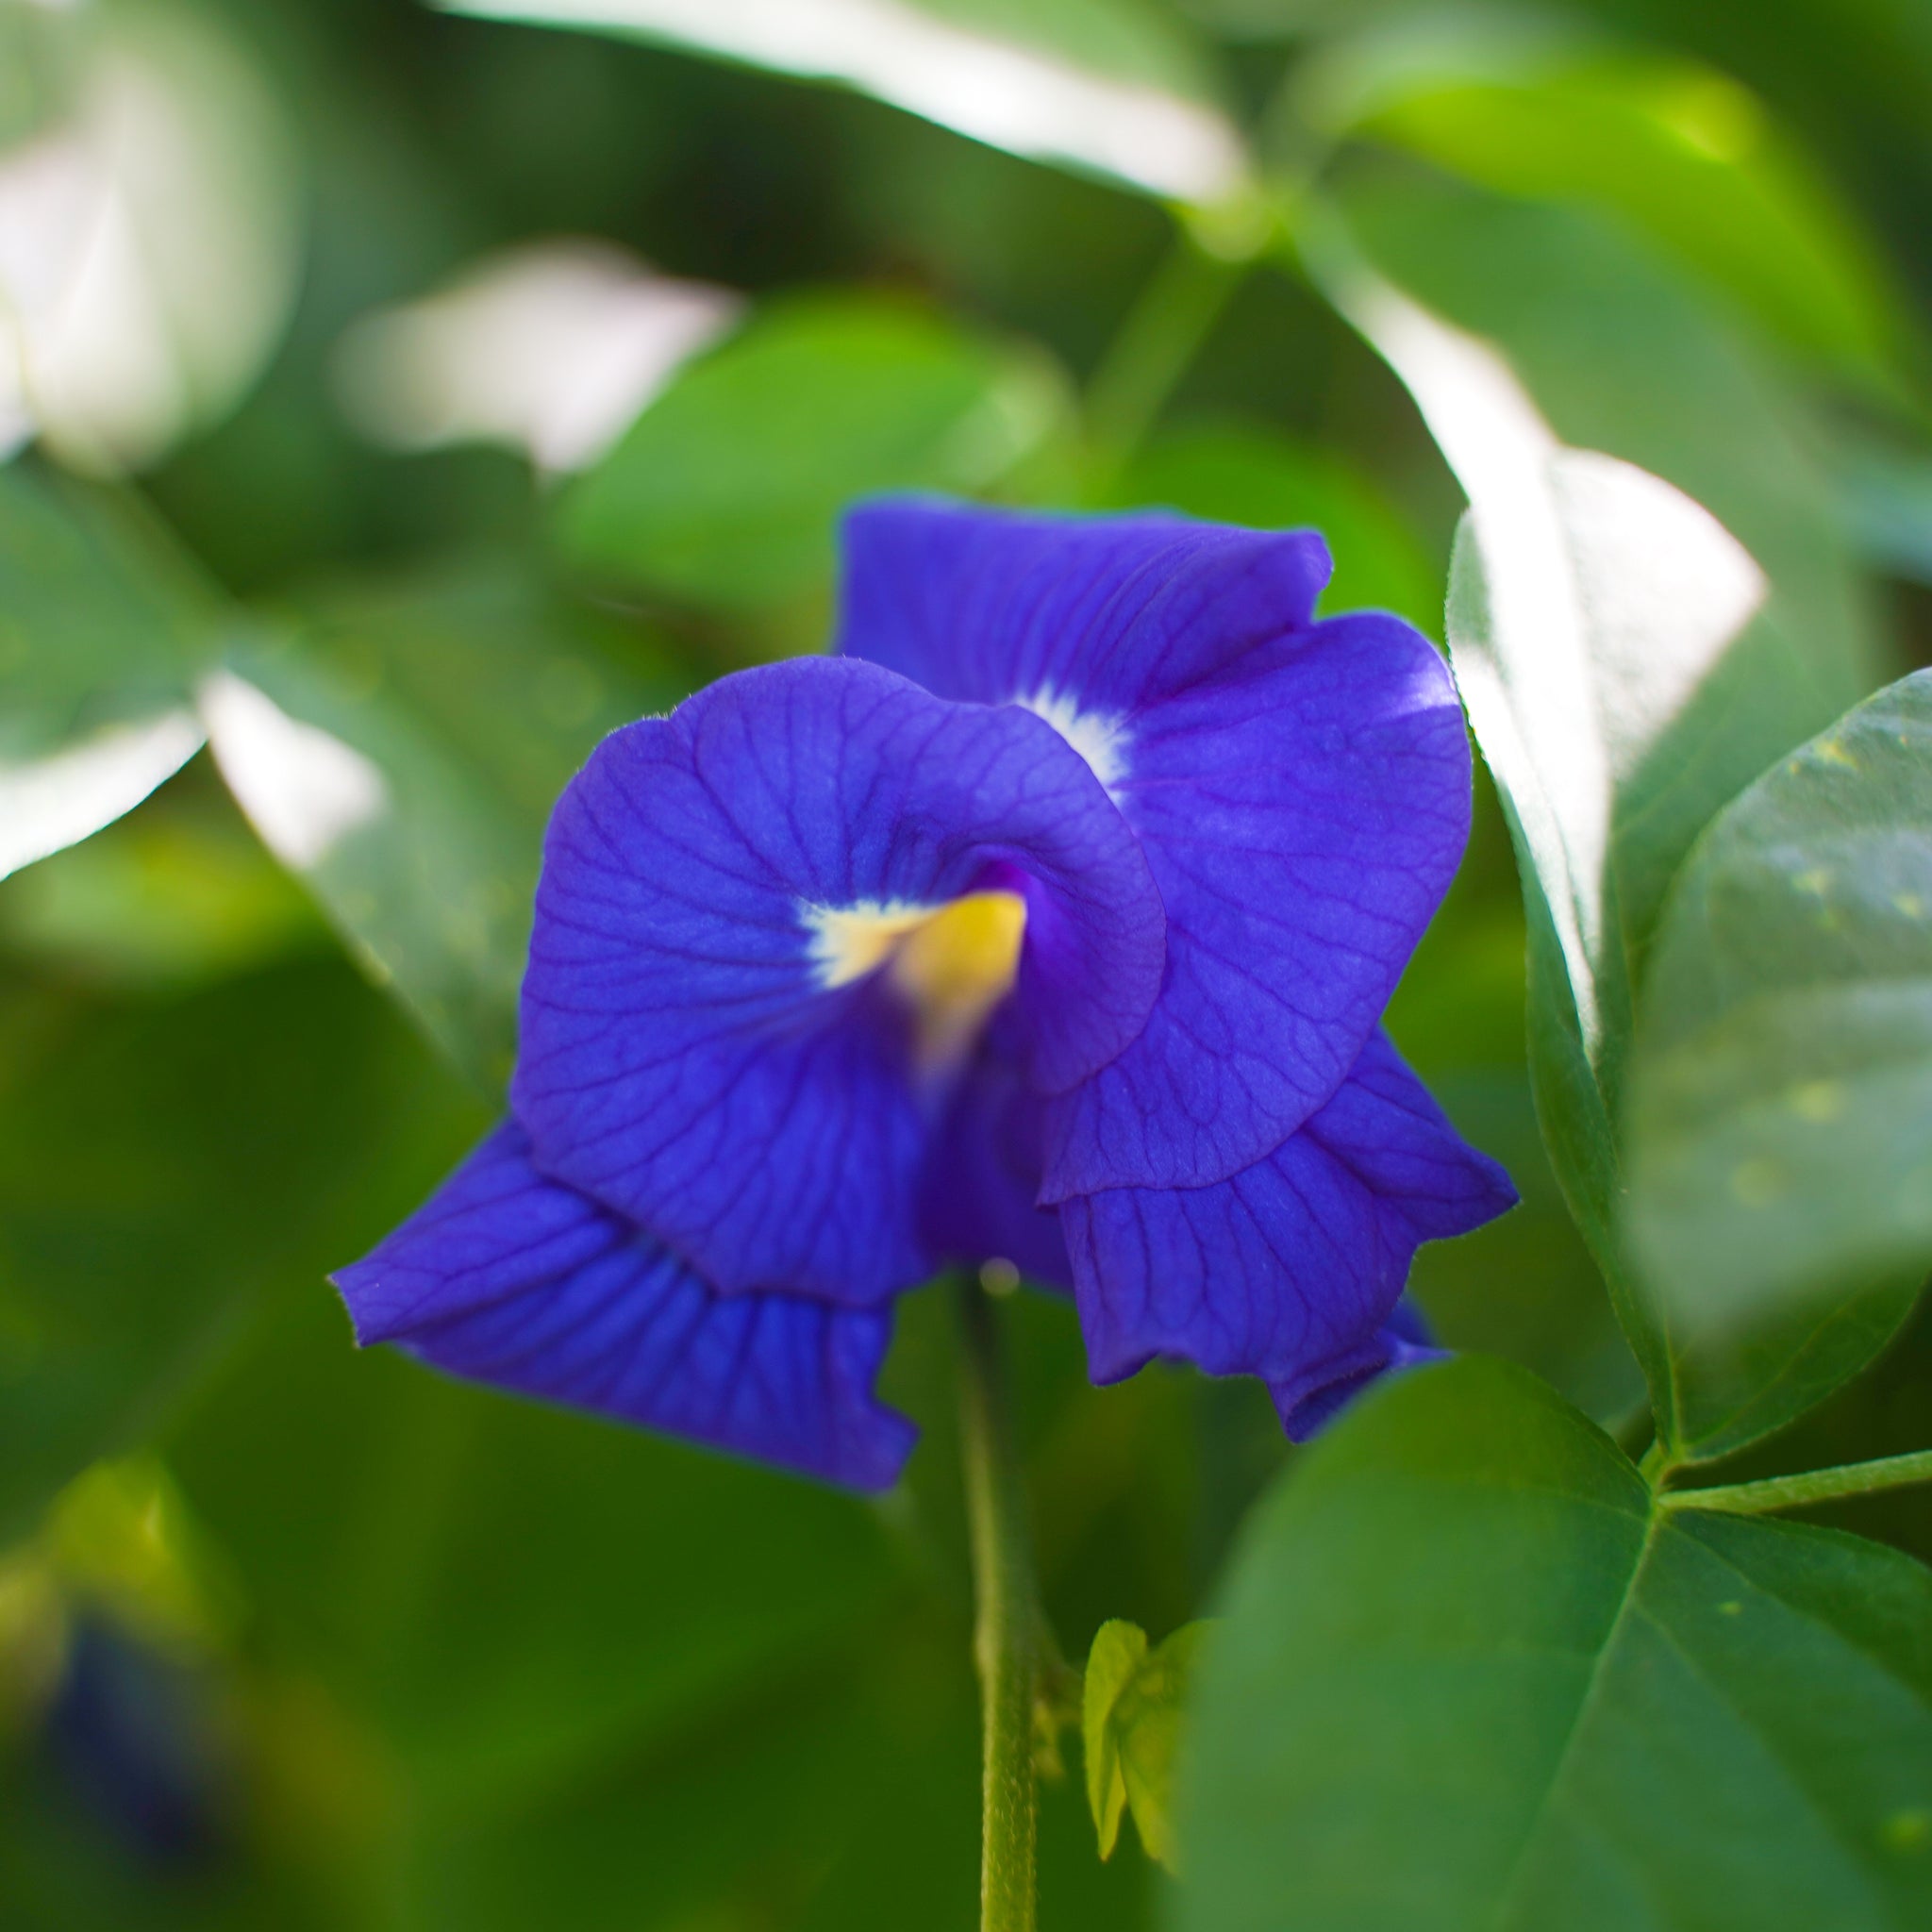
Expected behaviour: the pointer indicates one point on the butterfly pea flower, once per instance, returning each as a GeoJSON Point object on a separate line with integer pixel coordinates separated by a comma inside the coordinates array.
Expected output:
{"type": "Point", "coordinates": [1050, 922]}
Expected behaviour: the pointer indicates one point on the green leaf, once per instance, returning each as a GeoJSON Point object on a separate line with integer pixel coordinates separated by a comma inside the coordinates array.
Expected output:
{"type": "Point", "coordinates": [1526, 1286]}
{"type": "Point", "coordinates": [1627, 664]}
{"type": "Point", "coordinates": [37, 69]}
{"type": "Point", "coordinates": [1616, 353]}
{"type": "Point", "coordinates": [401, 755]}
{"type": "Point", "coordinates": [1240, 473]}
{"type": "Point", "coordinates": [727, 489]}
{"type": "Point", "coordinates": [1780, 1162]}
{"type": "Point", "coordinates": [507, 1591]}
{"type": "Point", "coordinates": [1130, 1722]}
{"type": "Point", "coordinates": [1623, 681]}
{"type": "Point", "coordinates": [1470, 1677]}
{"type": "Point", "coordinates": [1685, 155]}
{"type": "Point", "coordinates": [1118, 1651]}
{"type": "Point", "coordinates": [175, 894]}
{"type": "Point", "coordinates": [165, 1167]}
{"type": "Point", "coordinates": [98, 636]}
{"type": "Point", "coordinates": [1109, 87]}
{"type": "Point", "coordinates": [1886, 493]}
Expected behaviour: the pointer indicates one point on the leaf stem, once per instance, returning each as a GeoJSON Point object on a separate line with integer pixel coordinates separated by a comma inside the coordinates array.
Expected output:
{"type": "Point", "coordinates": [1161, 335]}
{"type": "Point", "coordinates": [1814, 1486]}
{"type": "Point", "coordinates": [1008, 1626]}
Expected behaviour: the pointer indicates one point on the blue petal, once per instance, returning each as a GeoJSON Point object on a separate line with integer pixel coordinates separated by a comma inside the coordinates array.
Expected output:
{"type": "Point", "coordinates": [1303, 817]}
{"type": "Point", "coordinates": [990, 605]}
{"type": "Point", "coordinates": [1301, 790]}
{"type": "Point", "coordinates": [682, 1059]}
{"type": "Point", "coordinates": [978, 1201]}
{"type": "Point", "coordinates": [1290, 1269]}
{"type": "Point", "coordinates": [506, 1277]}
{"type": "Point", "coordinates": [1404, 1342]}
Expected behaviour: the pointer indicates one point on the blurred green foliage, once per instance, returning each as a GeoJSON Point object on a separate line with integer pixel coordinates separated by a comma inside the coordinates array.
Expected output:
{"type": "Point", "coordinates": [412, 1654]}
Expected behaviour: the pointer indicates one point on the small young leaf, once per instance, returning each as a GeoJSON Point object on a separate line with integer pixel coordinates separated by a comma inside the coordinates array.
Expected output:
{"type": "Point", "coordinates": [1130, 1724]}
{"type": "Point", "coordinates": [1119, 1650]}
{"type": "Point", "coordinates": [1469, 1675]}
{"type": "Point", "coordinates": [1781, 1088]}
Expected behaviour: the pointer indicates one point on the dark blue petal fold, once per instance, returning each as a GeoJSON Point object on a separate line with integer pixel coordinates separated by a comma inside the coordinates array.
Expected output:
{"type": "Point", "coordinates": [506, 1277]}
{"type": "Point", "coordinates": [1290, 1269]}
{"type": "Point", "coordinates": [683, 1058]}
{"type": "Point", "coordinates": [1301, 790]}
{"type": "Point", "coordinates": [1303, 816]}
{"type": "Point", "coordinates": [1404, 1341]}
{"type": "Point", "coordinates": [977, 1203]}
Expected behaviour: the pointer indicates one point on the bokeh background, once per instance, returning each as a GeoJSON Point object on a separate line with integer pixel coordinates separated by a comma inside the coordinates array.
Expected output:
{"type": "Point", "coordinates": [428, 393]}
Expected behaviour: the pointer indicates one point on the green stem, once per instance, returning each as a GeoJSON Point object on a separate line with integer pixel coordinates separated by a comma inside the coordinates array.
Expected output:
{"type": "Point", "coordinates": [1815, 1486]}
{"type": "Point", "coordinates": [1161, 336]}
{"type": "Point", "coordinates": [1009, 1625]}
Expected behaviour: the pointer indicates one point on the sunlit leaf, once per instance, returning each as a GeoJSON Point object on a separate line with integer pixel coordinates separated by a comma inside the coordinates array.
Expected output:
{"type": "Point", "coordinates": [1617, 353]}
{"type": "Point", "coordinates": [1131, 1716]}
{"type": "Point", "coordinates": [1684, 154]}
{"type": "Point", "coordinates": [176, 895]}
{"type": "Point", "coordinates": [1628, 667]}
{"type": "Point", "coordinates": [98, 638]}
{"type": "Point", "coordinates": [1781, 1093]}
{"type": "Point", "coordinates": [726, 490]}
{"type": "Point", "coordinates": [551, 348]}
{"type": "Point", "coordinates": [1469, 1675]}
{"type": "Point", "coordinates": [152, 241]}
{"type": "Point", "coordinates": [1108, 86]}
{"type": "Point", "coordinates": [1623, 683]}
{"type": "Point", "coordinates": [401, 756]}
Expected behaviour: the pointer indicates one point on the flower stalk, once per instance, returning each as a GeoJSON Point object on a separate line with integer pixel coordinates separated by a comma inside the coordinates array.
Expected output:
{"type": "Point", "coordinates": [1813, 1486]}
{"type": "Point", "coordinates": [1010, 1646]}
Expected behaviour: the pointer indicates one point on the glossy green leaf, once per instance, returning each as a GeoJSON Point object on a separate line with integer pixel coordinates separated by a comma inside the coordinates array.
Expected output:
{"type": "Point", "coordinates": [1241, 473]}
{"type": "Point", "coordinates": [727, 489]}
{"type": "Point", "coordinates": [98, 636]}
{"type": "Point", "coordinates": [165, 1167]}
{"type": "Point", "coordinates": [1111, 86]}
{"type": "Point", "coordinates": [1682, 153]}
{"type": "Point", "coordinates": [1623, 681]}
{"type": "Point", "coordinates": [1628, 666]}
{"type": "Point", "coordinates": [1469, 1677]}
{"type": "Point", "coordinates": [1780, 1122]}
{"type": "Point", "coordinates": [1615, 352]}
{"type": "Point", "coordinates": [1132, 1708]}
{"type": "Point", "coordinates": [401, 756]}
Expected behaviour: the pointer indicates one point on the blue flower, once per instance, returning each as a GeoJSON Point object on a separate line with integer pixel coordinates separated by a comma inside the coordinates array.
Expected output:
{"type": "Point", "coordinates": [1051, 920]}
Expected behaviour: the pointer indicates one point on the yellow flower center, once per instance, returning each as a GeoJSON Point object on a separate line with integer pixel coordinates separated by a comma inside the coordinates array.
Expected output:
{"type": "Point", "coordinates": [952, 964]}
